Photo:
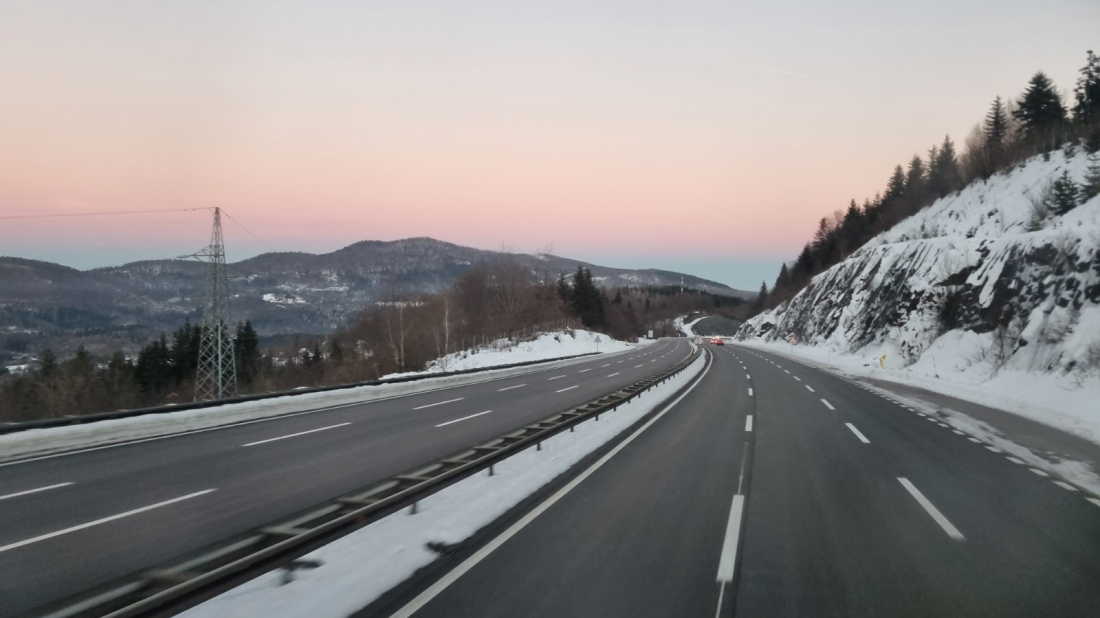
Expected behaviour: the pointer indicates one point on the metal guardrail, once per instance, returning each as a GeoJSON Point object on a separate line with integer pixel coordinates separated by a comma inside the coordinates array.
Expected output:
{"type": "Point", "coordinates": [169, 589]}
{"type": "Point", "coordinates": [198, 405]}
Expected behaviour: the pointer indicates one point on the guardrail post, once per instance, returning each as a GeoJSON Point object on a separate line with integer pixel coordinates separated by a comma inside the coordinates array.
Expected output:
{"type": "Point", "coordinates": [538, 447]}
{"type": "Point", "coordinates": [414, 509]}
{"type": "Point", "coordinates": [491, 472]}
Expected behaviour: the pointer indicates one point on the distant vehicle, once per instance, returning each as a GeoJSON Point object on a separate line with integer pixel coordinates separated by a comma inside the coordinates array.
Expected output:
{"type": "Point", "coordinates": [720, 342]}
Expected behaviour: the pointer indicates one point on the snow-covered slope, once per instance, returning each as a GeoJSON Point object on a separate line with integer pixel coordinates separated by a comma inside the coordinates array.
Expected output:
{"type": "Point", "coordinates": [967, 282]}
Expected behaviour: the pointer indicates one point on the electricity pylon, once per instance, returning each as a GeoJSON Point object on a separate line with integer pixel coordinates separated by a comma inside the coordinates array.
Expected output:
{"type": "Point", "coordinates": [217, 371]}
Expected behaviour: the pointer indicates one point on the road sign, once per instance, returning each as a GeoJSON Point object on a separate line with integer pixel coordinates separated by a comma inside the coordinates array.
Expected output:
{"type": "Point", "coordinates": [651, 333]}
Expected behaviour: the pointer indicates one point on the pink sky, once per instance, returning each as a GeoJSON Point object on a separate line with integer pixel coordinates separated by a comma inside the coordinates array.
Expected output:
{"type": "Point", "coordinates": [642, 132]}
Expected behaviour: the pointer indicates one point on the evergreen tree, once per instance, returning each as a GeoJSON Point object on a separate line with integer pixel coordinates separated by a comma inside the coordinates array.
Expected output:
{"type": "Point", "coordinates": [47, 365]}
{"type": "Point", "coordinates": [781, 280]}
{"type": "Point", "coordinates": [587, 299]}
{"type": "Point", "coordinates": [995, 132]}
{"type": "Point", "coordinates": [1064, 194]}
{"type": "Point", "coordinates": [1091, 187]}
{"type": "Point", "coordinates": [1040, 111]}
{"type": "Point", "coordinates": [564, 291]}
{"type": "Point", "coordinates": [761, 297]}
{"type": "Point", "coordinates": [915, 184]}
{"type": "Point", "coordinates": [246, 352]}
{"type": "Point", "coordinates": [618, 300]}
{"type": "Point", "coordinates": [895, 187]}
{"type": "Point", "coordinates": [1086, 108]}
{"type": "Point", "coordinates": [943, 174]}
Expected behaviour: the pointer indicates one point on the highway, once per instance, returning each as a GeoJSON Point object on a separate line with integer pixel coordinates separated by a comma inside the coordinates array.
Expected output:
{"type": "Point", "coordinates": [776, 489]}
{"type": "Point", "coordinates": [73, 521]}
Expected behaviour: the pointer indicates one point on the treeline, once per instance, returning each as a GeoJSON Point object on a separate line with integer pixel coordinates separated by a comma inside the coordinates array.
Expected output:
{"type": "Point", "coordinates": [490, 305]}
{"type": "Point", "coordinates": [1036, 122]}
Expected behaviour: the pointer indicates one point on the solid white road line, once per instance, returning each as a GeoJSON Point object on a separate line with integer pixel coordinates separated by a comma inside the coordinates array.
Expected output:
{"type": "Point", "coordinates": [459, 420]}
{"type": "Point", "coordinates": [293, 435]}
{"type": "Point", "coordinates": [750, 391]}
{"type": "Point", "coordinates": [748, 423]}
{"type": "Point", "coordinates": [828, 405]}
{"type": "Point", "coordinates": [567, 389]}
{"type": "Point", "coordinates": [508, 388]}
{"type": "Point", "coordinates": [104, 520]}
{"type": "Point", "coordinates": [810, 388]}
{"type": "Point", "coordinates": [438, 403]}
{"type": "Point", "coordinates": [34, 491]}
{"type": "Point", "coordinates": [862, 438]}
{"type": "Point", "coordinates": [555, 378]}
{"type": "Point", "coordinates": [733, 533]}
{"type": "Point", "coordinates": [1065, 486]}
{"type": "Point", "coordinates": [613, 375]}
{"type": "Point", "coordinates": [951, 530]}
{"type": "Point", "coordinates": [451, 577]}
{"type": "Point", "coordinates": [1038, 472]}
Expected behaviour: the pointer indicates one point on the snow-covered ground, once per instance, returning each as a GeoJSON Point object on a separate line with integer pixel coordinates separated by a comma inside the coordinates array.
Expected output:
{"type": "Point", "coordinates": [972, 297]}
{"type": "Point", "coordinates": [55, 439]}
{"type": "Point", "coordinates": [360, 567]}
{"type": "Point", "coordinates": [546, 345]}
{"type": "Point", "coordinates": [685, 328]}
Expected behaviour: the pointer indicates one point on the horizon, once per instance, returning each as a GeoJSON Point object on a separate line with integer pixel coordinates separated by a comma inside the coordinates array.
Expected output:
{"type": "Point", "coordinates": [234, 260]}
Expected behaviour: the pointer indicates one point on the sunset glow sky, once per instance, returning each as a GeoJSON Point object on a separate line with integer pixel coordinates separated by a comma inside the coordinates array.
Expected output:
{"type": "Point", "coordinates": [700, 136]}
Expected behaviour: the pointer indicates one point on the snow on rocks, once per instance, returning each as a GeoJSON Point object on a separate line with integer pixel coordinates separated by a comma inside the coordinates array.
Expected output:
{"type": "Point", "coordinates": [973, 296]}
{"type": "Point", "coordinates": [360, 567]}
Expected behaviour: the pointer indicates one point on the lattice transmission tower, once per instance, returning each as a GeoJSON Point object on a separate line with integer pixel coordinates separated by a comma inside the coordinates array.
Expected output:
{"type": "Point", "coordinates": [217, 372]}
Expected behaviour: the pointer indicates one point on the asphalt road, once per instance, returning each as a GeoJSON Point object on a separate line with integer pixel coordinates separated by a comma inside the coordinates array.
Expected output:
{"type": "Point", "coordinates": [74, 521]}
{"type": "Point", "coordinates": [832, 501]}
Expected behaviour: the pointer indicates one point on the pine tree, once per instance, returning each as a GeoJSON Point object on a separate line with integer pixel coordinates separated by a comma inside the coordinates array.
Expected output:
{"type": "Point", "coordinates": [895, 187]}
{"type": "Point", "coordinates": [47, 364]}
{"type": "Point", "coordinates": [1064, 194]}
{"type": "Point", "coordinates": [915, 183]}
{"type": "Point", "coordinates": [995, 131]}
{"type": "Point", "coordinates": [564, 291]}
{"type": "Point", "coordinates": [1091, 186]}
{"type": "Point", "coordinates": [761, 297]}
{"type": "Point", "coordinates": [781, 280]}
{"type": "Point", "coordinates": [246, 351]}
{"type": "Point", "coordinates": [944, 175]}
{"type": "Point", "coordinates": [1086, 109]}
{"type": "Point", "coordinates": [1040, 111]}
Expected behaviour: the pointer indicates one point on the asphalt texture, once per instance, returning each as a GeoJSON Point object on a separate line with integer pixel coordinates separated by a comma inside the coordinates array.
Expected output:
{"type": "Point", "coordinates": [853, 505]}
{"type": "Point", "coordinates": [73, 521]}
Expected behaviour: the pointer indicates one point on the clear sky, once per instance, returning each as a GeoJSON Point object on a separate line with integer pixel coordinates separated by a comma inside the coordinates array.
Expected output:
{"type": "Point", "coordinates": [702, 136]}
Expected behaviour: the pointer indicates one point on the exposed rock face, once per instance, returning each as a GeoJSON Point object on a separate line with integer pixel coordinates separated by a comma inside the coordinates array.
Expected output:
{"type": "Point", "coordinates": [974, 261]}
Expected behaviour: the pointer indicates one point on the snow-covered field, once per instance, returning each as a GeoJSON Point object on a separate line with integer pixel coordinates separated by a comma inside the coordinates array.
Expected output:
{"type": "Point", "coordinates": [362, 566]}
{"type": "Point", "coordinates": [56, 439]}
{"type": "Point", "coordinates": [972, 297]}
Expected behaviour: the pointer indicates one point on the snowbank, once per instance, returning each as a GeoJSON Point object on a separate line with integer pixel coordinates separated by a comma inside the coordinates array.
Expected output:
{"type": "Point", "coordinates": [546, 345]}
{"type": "Point", "coordinates": [362, 566]}
{"type": "Point", "coordinates": [57, 439]}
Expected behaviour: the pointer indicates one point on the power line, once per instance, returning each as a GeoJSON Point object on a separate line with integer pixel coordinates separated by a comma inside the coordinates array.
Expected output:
{"type": "Point", "coordinates": [241, 225]}
{"type": "Point", "coordinates": [112, 212]}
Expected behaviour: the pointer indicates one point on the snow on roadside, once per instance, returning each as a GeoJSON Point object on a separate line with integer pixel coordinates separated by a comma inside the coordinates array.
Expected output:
{"type": "Point", "coordinates": [1055, 400]}
{"type": "Point", "coordinates": [34, 442]}
{"type": "Point", "coordinates": [546, 345]}
{"type": "Point", "coordinates": [685, 328]}
{"type": "Point", "coordinates": [360, 567]}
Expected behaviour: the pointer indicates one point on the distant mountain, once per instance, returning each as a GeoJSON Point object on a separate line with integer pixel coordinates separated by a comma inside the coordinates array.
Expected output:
{"type": "Point", "coordinates": [281, 293]}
